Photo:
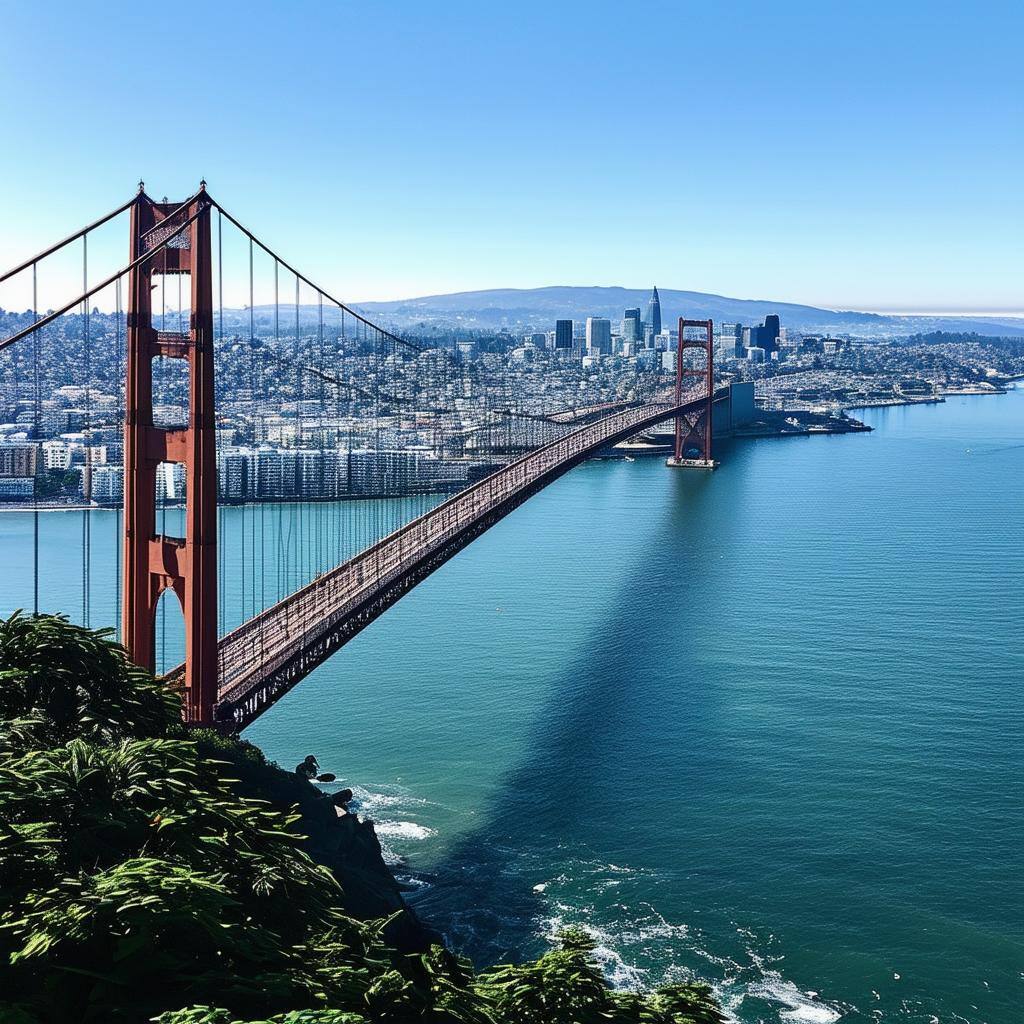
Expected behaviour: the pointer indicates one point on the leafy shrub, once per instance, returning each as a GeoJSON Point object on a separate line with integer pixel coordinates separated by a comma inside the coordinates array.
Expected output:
{"type": "Point", "coordinates": [136, 877]}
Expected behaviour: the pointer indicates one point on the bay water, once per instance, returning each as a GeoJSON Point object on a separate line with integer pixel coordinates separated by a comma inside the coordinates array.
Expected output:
{"type": "Point", "coordinates": [761, 726]}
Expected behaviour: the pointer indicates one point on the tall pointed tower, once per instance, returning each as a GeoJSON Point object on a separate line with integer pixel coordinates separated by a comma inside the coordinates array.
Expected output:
{"type": "Point", "coordinates": [653, 318]}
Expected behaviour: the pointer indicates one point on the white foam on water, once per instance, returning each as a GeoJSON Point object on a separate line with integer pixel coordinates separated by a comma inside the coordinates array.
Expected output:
{"type": "Point", "coordinates": [419, 884]}
{"type": "Point", "coordinates": [403, 830]}
{"type": "Point", "coordinates": [370, 800]}
{"type": "Point", "coordinates": [620, 974]}
{"type": "Point", "coordinates": [801, 1007]}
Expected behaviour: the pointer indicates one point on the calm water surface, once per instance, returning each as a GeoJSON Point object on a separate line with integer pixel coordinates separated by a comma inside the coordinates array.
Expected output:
{"type": "Point", "coordinates": [763, 726]}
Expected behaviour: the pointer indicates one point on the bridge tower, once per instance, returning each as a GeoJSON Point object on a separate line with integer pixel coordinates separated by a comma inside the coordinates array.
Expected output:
{"type": "Point", "coordinates": [694, 430]}
{"type": "Point", "coordinates": [153, 562]}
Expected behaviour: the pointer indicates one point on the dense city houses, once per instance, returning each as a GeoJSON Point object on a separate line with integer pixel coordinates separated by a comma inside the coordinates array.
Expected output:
{"type": "Point", "coordinates": [339, 419]}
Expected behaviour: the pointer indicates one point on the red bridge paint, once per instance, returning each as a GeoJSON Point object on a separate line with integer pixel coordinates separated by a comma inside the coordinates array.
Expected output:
{"type": "Point", "coordinates": [154, 563]}
{"type": "Point", "coordinates": [698, 423]}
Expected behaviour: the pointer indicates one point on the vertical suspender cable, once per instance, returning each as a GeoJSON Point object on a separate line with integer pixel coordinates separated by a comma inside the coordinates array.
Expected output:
{"type": "Point", "coordinates": [320, 446]}
{"type": "Point", "coordinates": [299, 398]}
{"type": "Point", "coordinates": [87, 477]}
{"type": "Point", "coordinates": [252, 410]}
{"type": "Point", "coordinates": [119, 386]}
{"type": "Point", "coordinates": [277, 354]}
{"type": "Point", "coordinates": [38, 448]}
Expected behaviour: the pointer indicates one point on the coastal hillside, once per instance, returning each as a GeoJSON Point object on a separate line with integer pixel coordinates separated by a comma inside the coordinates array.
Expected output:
{"type": "Point", "coordinates": [149, 873]}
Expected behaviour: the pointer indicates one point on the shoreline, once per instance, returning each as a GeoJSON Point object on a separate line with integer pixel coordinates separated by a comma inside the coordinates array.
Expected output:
{"type": "Point", "coordinates": [270, 502]}
{"type": "Point", "coordinates": [939, 398]}
{"type": "Point", "coordinates": [619, 452]}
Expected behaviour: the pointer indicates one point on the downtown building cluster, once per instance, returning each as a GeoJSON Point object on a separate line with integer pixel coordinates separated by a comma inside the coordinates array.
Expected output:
{"type": "Point", "coordinates": [652, 345]}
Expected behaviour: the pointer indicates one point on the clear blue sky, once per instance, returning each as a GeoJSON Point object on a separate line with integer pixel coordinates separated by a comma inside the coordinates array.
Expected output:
{"type": "Point", "coordinates": [866, 155]}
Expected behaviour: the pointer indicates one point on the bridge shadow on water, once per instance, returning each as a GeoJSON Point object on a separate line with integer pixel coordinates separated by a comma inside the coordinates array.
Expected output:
{"type": "Point", "coordinates": [554, 808]}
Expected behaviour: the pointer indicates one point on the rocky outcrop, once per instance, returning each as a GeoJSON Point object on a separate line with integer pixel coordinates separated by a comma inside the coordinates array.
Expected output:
{"type": "Point", "coordinates": [346, 845]}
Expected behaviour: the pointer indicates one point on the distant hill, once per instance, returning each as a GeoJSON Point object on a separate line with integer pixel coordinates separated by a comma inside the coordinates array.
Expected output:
{"type": "Point", "coordinates": [522, 308]}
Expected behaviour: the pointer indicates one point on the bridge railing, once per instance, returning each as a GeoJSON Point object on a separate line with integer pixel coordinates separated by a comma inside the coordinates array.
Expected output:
{"type": "Point", "coordinates": [260, 646]}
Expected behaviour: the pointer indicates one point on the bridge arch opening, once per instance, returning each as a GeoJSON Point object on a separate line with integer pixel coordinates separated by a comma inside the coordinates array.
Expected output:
{"type": "Point", "coordinates": [168, 632]}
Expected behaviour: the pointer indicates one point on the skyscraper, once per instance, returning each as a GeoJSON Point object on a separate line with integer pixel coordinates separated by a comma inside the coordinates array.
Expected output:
{"type": "Point", "coordinates": [599, 335]}
{"type": "Point", "coordinates": [654, 313]}
{"type": "Point", "coordinates": [766, 336]}
{"type": "Point", "coordinates": [631, 327]}
{"type": "Point", "coordinates": [729, 341]}
{"type": "Point", "coordinates": [563, 334]}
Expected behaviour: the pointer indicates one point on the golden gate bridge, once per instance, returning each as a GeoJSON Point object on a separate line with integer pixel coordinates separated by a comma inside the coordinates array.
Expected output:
{"type": "Point", "coordinates": [335, 374]}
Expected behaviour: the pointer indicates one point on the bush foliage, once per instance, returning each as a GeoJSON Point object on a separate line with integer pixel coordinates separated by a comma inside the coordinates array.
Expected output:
{"type": "Point", "coordinates": [137, 883]}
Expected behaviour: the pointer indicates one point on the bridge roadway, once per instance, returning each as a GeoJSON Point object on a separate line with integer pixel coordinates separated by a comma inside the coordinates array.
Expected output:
{"type": "Point", "coordinates": [265, 657]}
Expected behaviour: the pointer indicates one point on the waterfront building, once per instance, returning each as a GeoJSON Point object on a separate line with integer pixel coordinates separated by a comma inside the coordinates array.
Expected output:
{"type": "Point", "coordinates": [268, 472]}
{"type": "Point", "coordinates": [170, 482]}
{"type": "Point", "coordinates": [309, 473]}
{"type": "Point", "coordinates": [334, 473]}
{"type": "Point", "coordinates": [107, 486]}
{"type": "Point", "coordinates": [563, 334]}
{"type": "Point", "coordinates": [16, 488]}
{"type": "Point", "coordinates": [381, 472]}
{"type": "Point", "coordinates": [235, 474]}
{"type": "Point", "coordinates": [599, 335]}
{"type": "Point", "coordinates": [17, 459]}
{"type": "Point", "coordinates": [56, 455]}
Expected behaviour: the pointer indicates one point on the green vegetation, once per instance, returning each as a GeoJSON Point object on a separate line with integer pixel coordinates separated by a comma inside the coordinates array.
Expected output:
{"type": "Point", "coordinates": [139, 882]}
{"type": "Point", "coordinates": [54, 482]}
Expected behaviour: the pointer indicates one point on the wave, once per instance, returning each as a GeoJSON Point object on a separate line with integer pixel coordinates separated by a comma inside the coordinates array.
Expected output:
{"type": "Point", "coordinates": [800, 1007]}
{"type": "Point", "coordinates": [636, 946]}
{"type": "Point", "coordinates": [641, 949]}
{"type": "Point", "coordinates": [403, 830]}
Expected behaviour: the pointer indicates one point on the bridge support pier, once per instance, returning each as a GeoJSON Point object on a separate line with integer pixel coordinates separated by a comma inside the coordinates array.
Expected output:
{"type": "Point", "coordinates": [694, 430]}
{"type": "Point", "coordinates": [153, 562]}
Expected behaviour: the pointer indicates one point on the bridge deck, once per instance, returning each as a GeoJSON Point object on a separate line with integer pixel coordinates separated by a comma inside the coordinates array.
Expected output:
{"type": "Point", "coordinates": [265, 657]}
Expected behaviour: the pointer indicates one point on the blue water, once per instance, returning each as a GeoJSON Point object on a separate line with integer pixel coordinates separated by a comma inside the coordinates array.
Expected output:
{"type": "Point", "coordinates": [762, 726]}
